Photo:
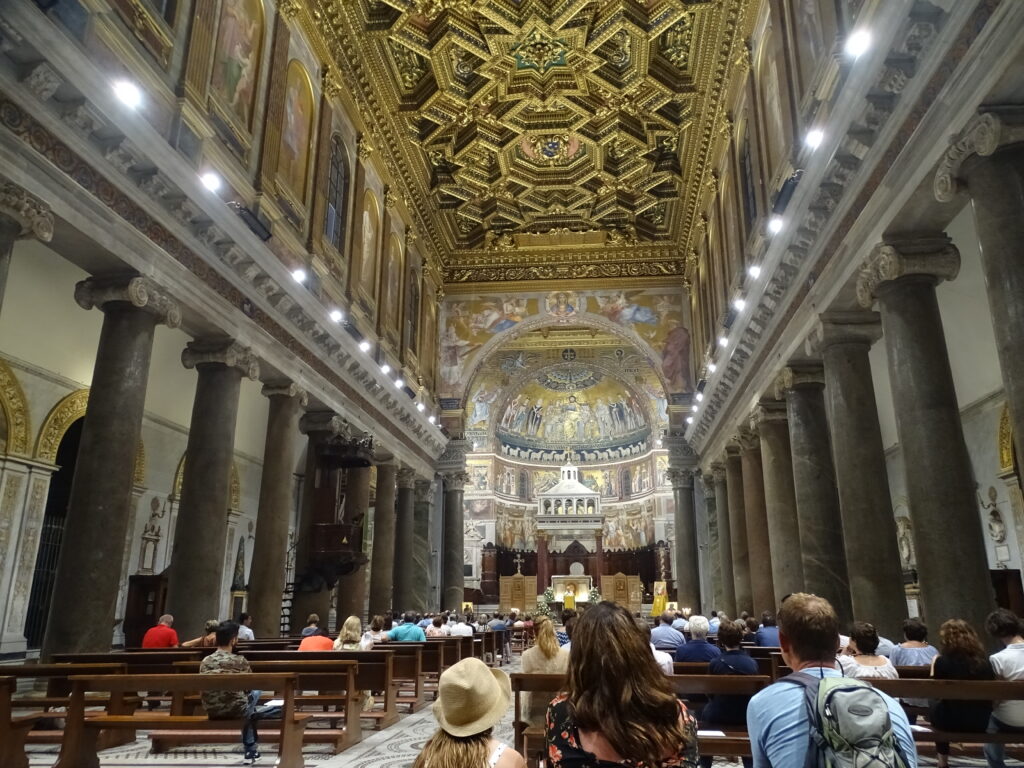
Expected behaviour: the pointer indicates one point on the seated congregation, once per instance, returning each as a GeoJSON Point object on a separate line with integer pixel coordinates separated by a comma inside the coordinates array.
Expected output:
{"type": "Point", "coordinates": [597, 688]}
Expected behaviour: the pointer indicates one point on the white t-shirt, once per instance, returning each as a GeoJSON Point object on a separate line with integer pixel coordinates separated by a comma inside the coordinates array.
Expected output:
{"type": "Point", "coordinates": [1008, 664]}
{"type": "Point", "coordinates": [664, 660]}
{"type": "Point", "coordinates": [245, 633]}
{"type": "Point", "coordinates": [462, 630]}
{"type": "Point", "coordinates": [851, 668]}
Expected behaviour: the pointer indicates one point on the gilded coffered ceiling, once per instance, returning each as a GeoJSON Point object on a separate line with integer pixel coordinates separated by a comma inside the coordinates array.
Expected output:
{"type": "Point", "coordinates": [545, 138]}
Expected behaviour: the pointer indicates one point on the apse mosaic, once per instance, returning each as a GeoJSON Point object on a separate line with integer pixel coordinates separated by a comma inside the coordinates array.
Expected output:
{"type": "Point", "coordinates": [654, 318]}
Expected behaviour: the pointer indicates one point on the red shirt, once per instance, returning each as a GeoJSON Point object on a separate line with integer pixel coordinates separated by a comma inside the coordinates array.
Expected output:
{"type": "Point", "coordinates": [160, 636]}
{"type": "Point", "coordinates": [316, 643]}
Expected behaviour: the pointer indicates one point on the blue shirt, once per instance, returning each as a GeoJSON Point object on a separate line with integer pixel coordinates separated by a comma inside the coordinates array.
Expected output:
{"type": "Point", "coordinates": [697, 649]}
{"type": "Point", "coordinates": [768, 637]}
{"type": "Point", "coordinates": [407, 633]}
{"type": "Point", "coordinates": [713, 626]}
{"type": "Point", "coordinates": [663, 636]}
{"type": "Point", "coordinates": [777, 721]}
{"type": "Point", "coordinates": [680, 623]}
{"type": "Point", "coordinates": [726, 709]}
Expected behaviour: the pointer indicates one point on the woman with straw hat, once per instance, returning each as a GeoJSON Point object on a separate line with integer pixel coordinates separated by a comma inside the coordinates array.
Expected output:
{"type": "Point", "coordinates": [471, 699]}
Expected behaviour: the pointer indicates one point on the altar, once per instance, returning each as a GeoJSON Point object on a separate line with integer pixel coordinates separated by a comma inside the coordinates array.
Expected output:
{"type": "Point", "coordinates": [578, 587]}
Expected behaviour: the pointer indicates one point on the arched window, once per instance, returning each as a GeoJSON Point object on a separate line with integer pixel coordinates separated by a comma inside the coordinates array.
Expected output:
{"type": "Point", "coordinates": [337, 196]}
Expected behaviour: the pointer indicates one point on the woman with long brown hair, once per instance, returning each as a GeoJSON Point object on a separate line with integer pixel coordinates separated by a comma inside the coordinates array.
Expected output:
{"type": "Point", "coordinates": [546, 658]}
{"type": "Point", "coordinates": [961, 657]}
{"type": "Point", "coordinates": [620, 708]}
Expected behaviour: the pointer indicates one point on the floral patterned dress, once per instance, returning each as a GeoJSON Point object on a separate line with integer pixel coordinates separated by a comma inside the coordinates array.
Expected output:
{"type": "Point", "coordinates": [565, 750]}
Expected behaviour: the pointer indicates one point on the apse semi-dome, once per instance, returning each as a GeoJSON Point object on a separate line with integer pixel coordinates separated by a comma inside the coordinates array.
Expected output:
{"type": "Point", "coordinates": [575, 409]}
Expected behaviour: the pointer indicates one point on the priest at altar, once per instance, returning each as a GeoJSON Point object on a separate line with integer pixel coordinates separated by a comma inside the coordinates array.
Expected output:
{"type": "Point", "coordinates": [571, 590]}
{"type": "Point", "coordinates": [660, 598]}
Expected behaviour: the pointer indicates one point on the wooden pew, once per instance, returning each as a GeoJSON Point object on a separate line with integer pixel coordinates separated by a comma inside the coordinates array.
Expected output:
{"type": "Point", "coordinates": [335, 685]}
{"type": "Point", "coordinates": [79, 748]}
{"type": "Point", "coordinates": [13, 728]}
{"type": "Point", "coordinates": [58, 694]}
{"type": "Point", "coordinates": [529, 740]}
{"type": "Point", "coordinates": [969, 690]}
{"type": "Point", "coordinates": [375, 673]}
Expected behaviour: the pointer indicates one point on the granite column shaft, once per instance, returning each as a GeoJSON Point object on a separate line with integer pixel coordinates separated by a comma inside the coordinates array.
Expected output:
{"type": "Point", "coordinates": [421, 555]}
{"type": "Point", "coordinates": [817, 500]}
{"type": "Point", "coordinates": [402, 571]}
{"type": "Point", "coordinates": [195, 576]}
{"type": "Point", "coordinates": [686, 554]}
{"type": "Point", "coordinates": [993, 173]}
{"type": "Point", "coordinates": [270, 549]}
{"type": "Point", "coordinates": [780, 500]}
{"type": "Point", "coordinates": [453, 545]}
{"type": "Point", "coordinates": [727, 601]}
{"type": "Point", "coordinates": [940, 480]}
{"type": "Point", "coordinates": [758, 542]}
{"type": "Point", "coordinates": [738, 530]}
{"type": "Point", "coordinates": [862, 480]}
{"type": "Point", "coordinates": [351, 587]}
{"type": "Point", "coordinates": [99, 511]}
{"type": "Point", "coordinates": [382, 564]}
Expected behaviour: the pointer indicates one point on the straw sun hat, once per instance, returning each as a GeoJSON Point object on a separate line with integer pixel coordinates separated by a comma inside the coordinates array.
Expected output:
{"type": "Point", "coordinates": [472, 697]}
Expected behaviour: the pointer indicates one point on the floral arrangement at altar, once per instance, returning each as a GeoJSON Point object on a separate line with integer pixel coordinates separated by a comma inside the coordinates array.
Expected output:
{"type": "Point", "coordinates": [544, 602]}
{"type": "Point", "coordinates": [595, 595]}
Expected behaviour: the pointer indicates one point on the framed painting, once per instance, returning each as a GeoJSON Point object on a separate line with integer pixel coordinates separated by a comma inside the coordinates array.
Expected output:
{"type": "Point", "coordinates": [236, 60]}
{"type": "Point", "coordinates": [296, 132]}
{"type": "Point", "coordinates": [368, 248]}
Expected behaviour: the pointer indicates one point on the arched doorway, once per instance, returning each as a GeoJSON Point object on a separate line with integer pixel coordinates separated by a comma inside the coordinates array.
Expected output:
{"type": "Point", "coordinates": [51, 535]}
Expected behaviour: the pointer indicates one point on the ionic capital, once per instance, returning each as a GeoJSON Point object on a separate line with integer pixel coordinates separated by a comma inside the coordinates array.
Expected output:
{"type": "Point", "coordinates": [221, 352]}
{"type": "Point", "coordinates": [406, 478]}
{"type": "Point", "coordinates": [141, 292]}
{"type": "Point", "coordinates": [768, 412]}
{"type": "Point", "coordinates": [982, 137]}
{"type": "Point", "coordinates": [799, 376]}
{"type": "Point", "coordinates": [864, 328]}
{"type": "Point", "coordinates": [748, 440]}
{"type": "Point", "coordinates": [933, 257]}
{"type": "Point", "coordinates": [286, 389]}
{"type": "Point", "coordinates": [31, 216]}
{"type": "Point", "coordinates": [328, 423]}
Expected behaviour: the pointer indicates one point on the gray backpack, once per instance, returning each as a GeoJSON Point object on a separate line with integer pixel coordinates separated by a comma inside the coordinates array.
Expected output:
{"type": "Point", "coordinates": [850, 725]}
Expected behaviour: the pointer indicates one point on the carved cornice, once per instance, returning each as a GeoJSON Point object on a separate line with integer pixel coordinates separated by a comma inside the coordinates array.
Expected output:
{"type": "Point", "coordinates": [982, 137]}
{"type": "Point", "coordinates": [934, 257]}
{"type": "Point", "coordinates": [221, 352]}
{"type": "Point", "coordinates": [141, 292]}
{"type": "Point", "coordinates": [454, 457]}
{"type": "Point", "coordinates": [286, 389]}
{"type": "Point", "coordinates": [30, 215]}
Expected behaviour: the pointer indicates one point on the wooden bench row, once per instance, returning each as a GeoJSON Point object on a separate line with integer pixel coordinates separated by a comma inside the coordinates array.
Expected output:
{"type": "Point", "coordinates": [529, 738]}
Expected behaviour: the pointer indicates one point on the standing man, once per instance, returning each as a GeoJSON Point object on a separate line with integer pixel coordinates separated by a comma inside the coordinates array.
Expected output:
{"type": "Point", "coordinates": [234, 705]}
{"type": "Point", "coordinates": [161, 636]}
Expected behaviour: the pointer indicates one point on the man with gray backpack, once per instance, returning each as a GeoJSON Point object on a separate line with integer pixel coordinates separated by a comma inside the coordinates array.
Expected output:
{"type": "Point", "coordinates": [815, 717]}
